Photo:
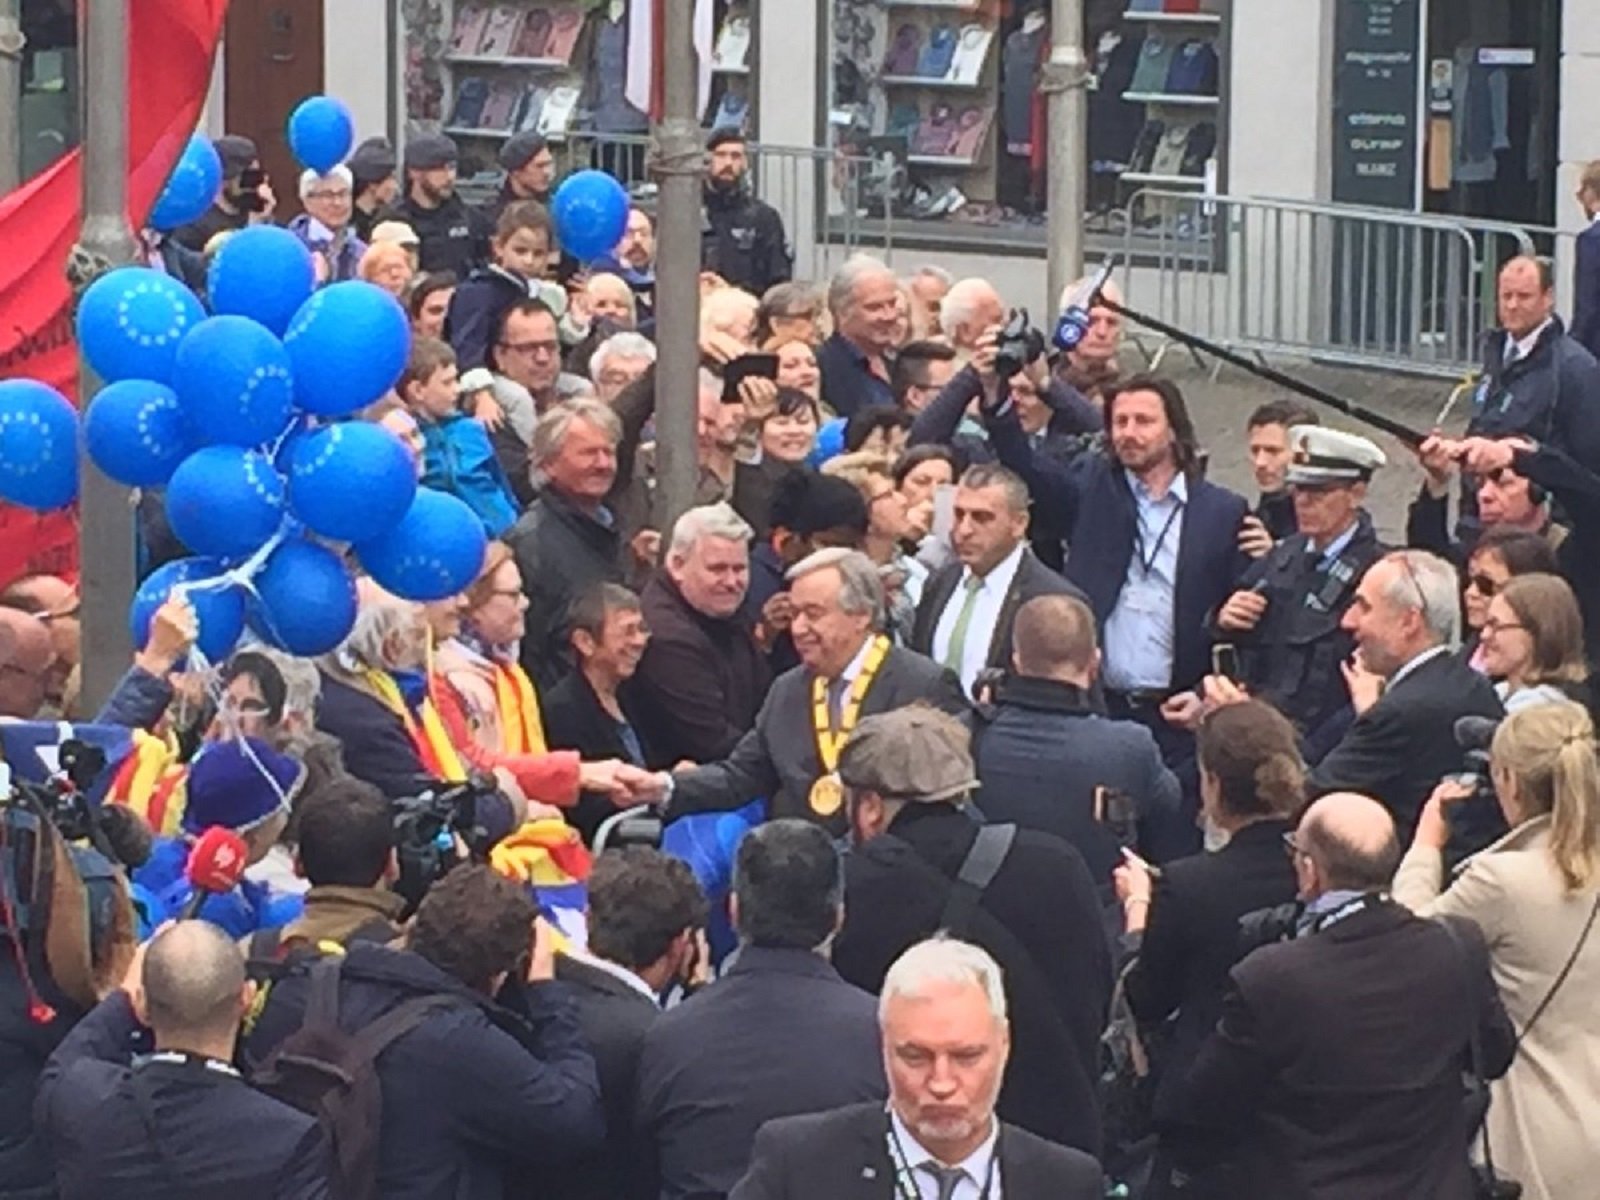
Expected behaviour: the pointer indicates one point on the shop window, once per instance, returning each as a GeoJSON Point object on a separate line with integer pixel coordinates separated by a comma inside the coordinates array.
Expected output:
{"type": "Point", "coordinates": [49, 101]}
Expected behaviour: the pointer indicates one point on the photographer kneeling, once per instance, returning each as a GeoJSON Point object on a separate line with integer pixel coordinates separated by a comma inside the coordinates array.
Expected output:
{"type": "Point", "coordinates": [1536, 895]}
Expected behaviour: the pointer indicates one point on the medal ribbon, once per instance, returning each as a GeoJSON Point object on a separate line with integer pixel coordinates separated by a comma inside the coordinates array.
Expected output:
{"type": "Point", "coordinates": [830, 742]}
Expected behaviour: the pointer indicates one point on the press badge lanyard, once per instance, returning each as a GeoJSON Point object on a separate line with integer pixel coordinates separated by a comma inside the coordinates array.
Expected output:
{"type": "Point", "coordinates": [905, 1186]}
{"type": "Point", "coordinates": [1147, 565]}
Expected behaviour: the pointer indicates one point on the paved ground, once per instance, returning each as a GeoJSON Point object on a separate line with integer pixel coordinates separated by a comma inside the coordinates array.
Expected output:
{"type": "Point", "coordinates": [1221, 406]}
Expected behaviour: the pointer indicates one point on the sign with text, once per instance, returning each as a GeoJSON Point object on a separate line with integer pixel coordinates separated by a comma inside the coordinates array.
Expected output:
{"type": "Point", "coordinates": [1376, 45]}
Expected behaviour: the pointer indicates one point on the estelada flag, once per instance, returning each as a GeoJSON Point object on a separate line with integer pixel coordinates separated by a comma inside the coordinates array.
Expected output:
{"type": "Point", "coordinates": [171, 46]}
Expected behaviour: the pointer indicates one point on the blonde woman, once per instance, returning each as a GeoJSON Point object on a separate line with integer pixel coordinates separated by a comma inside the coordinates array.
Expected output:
{"type": "Point", "coordinates": [1536, 895]}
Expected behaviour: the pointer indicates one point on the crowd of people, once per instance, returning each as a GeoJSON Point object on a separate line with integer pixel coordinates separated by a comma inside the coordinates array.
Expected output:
{"type": "Point", "coordinates": [1113, 833]}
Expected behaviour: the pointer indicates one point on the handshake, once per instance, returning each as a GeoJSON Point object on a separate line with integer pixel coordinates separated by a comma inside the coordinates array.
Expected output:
{"type": "Point", "coordinates": [627, 785]}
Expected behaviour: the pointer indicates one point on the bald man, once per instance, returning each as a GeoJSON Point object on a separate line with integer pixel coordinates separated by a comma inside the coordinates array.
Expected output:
{"type": "Point", "coordinates": [1337, 1062]}
{"type": "Point", "coordinates": [27, 656]}
{"type": "Point", "coordinates": [132, 1129]}
{"type": "Point", "coordinates": [55, 602]}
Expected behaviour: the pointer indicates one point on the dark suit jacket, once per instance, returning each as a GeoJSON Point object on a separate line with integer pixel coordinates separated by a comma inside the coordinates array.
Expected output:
{"type": "Point", "coordinates": [1192, 941]}
{"type": "Point", "coordinates": [1586, 291]}
{"type": "Point", "coordinates": [213, 1135]}
{"type": "Point", "coordinates": [779, 1034]}
{"type": "Point", "coordinates": [1032, 579]}
{"type": "Point", "coordinates": [1098, 511]}
{"type": "Point", "coordinates": [615, 1018]}
{"type": "Point", "coordinates": [1399, 749]}
{"type": "Point", "coordinates": [1040, 918]}
{"type": "Point", "coordinates": [778, 758]}
{"type": "Point", "coordinates": [843, 1155]}
{"type": "Point", "coordinates": [1339, 1058]}
{"type": "Point", "coordinates": [574, 720]}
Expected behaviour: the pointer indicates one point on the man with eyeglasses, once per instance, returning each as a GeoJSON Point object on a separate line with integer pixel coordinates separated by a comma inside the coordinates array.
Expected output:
{"type": "Point", "coordinates": [1285, 617]}
{"type": "Point", "coordinates": [324, 227]}
{"type": "Point", "coordinates": [55, 602]}
{"type": "Point", "coordinates": [1408, 690]}
{"type": "Point", "coordinates": [26, 656]}
{"type": "Point", "coordinates": [525, 361]}
{"type": "Point", "coordinates": [1506, 499]}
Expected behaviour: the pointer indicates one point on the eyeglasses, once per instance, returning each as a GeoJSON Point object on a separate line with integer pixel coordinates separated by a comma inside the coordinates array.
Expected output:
{"type": "Point", "coordinates": [1483, 585]}
{"type": "Point", "coordinates": [1494, 626]}
{"type": "Point", "coordinates": [1291, 847]}
{"type": "Point", "coordinates": [341, 194]}
{"type": "Point", "coordinates": [531, 348]}
{"type": "Point", "coordinates": [1411, 574]}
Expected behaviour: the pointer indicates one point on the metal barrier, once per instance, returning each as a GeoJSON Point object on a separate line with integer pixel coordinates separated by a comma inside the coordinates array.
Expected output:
{"type": "Point", "coordinates": [822, 195]}
{"type": "Point", "coordinates": [1365, 287]}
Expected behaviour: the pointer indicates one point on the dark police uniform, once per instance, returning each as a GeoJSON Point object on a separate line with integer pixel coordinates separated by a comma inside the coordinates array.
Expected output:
{"type": "Point", "coordinates": [742, 240]}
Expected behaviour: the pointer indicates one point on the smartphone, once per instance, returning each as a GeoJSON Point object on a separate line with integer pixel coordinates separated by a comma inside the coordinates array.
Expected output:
{"type": "Point", "coordinates": [1225, 661]}
{"type": "Point", "coordinates": [247, 192]}
{"type": "Point", "coordinates": [1116, 813]}
{"type": "Point", "coordinates": [746, 366]}
{"type": "Point", "coordinates": [944, 512]}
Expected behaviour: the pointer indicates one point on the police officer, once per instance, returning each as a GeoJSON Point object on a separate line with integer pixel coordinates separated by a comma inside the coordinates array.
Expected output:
{"type": "Point", "coordinates": [454, 236]}
{"type": "Point", "coordinates": [1285, 618]}
{"type": "Point", "coordinates": [742, 238]}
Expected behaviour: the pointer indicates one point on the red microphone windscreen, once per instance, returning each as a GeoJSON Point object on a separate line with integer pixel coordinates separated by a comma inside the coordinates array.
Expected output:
{"type": "Point", "coordinates": [217, 860]}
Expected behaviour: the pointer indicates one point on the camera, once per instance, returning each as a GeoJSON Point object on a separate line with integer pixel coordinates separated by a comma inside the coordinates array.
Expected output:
{"type": "Point", "coordinates": [1474, 735]}
{"type": "Point", "coordinates": [1267, 926]}
{"type": "Point", "coordinates": [247, 195]}
{"type": "Point", "coordinates": [1017, 345]}
{"type": "Point", "coordinates": [425, 831]}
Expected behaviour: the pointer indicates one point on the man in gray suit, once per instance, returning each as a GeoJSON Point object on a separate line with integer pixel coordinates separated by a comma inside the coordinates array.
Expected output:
{"type": "Point", "coordinates": [848, 670]}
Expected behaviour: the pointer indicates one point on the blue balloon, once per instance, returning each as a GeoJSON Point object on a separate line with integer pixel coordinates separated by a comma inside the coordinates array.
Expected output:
{"type": "Point", "coordinates": [136, 432]}
{"type": "Point", "coordinates": [348, 345]}
{"type": "Point", "coordinates": [305, 599]}
{"type": "Point", "coordinates": [435, 551]}
{"type": "Point", "coordinates": [131, 320]}
{"type": "Point", "coordinates": [321, 132]}
{"type": "Point", "coordinates": [192, 187]}
{"type": "Point", "coordinates": [225, 501]}
{"type": "Point", "coordinates": [233, 378]}
{"type": "Point", "coordinates": [590, 211]}
{"type": "Point", "coordinates": [219, 611]}
{"type": "Point", "coordinates": [38, 446]}
{"type": "Point", "coordinates": [263, 273]}
{"type": "Point", "coordinates": [351, 481]}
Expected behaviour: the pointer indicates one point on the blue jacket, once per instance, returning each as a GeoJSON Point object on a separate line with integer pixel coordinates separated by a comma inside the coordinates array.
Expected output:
{"type": "Point", "coordinates": [1586, 291]}
{"type": "Point", "coordinates": [1552, 395]}
{"type": "Point", "coordinates": [342, 265]}
{"type": "Point", "coordinates": [161, 890]}
{"type": "Point", "coordinates": [475, 311]}
{"type": "Point", "coordinates": [1097, 509]}
{"type": "Point", "coordinates": [458, 458]}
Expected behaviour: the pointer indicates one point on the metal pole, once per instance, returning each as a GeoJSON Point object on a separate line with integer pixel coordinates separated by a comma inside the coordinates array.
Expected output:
{"type": "Point", "coordinates": [1064, 82]}
{"type": "Point", "coordinates": [105, 518]}
{"type": "Point", "coordinates": [11, 46]}
{"type": "Point", "coordinates": [679, 158]}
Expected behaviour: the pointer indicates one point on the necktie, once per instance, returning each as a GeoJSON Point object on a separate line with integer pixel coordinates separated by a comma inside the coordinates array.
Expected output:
{"type": "Point", "coordinates": [948, 1178]}
{"type": "Point", "coordinates": [836, 691]}
{"type": "Point", "coordinates": [957, 649]}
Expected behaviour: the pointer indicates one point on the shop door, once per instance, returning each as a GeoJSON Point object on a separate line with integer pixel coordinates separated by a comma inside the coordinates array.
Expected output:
{"type": "Point", "coordinates": [1493, 99]}
{"type": "Point", "coordinates": [272, 56]}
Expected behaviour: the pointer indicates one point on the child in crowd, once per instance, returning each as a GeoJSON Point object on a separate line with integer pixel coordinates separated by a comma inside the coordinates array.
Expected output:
{"type": "Point", "coordinates": [457, 456]}
{"type": "Point", "coordinates": [523, 248]}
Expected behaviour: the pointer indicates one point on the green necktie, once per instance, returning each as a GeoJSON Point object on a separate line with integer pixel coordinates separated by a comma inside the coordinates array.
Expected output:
{"type": "Point", "coordinates": [958, 636]}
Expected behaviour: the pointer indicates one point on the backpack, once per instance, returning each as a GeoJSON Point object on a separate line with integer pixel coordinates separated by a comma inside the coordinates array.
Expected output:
{"type": "Point", "coordinates": [332, 1075]}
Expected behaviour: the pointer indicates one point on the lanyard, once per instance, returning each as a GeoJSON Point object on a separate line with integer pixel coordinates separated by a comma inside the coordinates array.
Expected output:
{"type": "Point", "coordinates": [905, 1187]}
{"type": "Point", "coordinates": [1146, 565]}
{"type": "Point", "coordinates": [830, 741]}
{"type": "Point", "coordinates": [196, 1062]}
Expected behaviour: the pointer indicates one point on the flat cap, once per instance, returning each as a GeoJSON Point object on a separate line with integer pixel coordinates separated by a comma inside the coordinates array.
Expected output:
{"type": "Point", "coordinates": [1323, 455]}
{"type": "Point", "coordinates": [237, 152]}
{"type": "Point", "coordinates": [429, 151]}
{"type": "Point", "coordinates": [915, 753]}
{"type": "Point", "coordinates": [372, 162]}
{"type": "Point", "coordinates": [520, 150]}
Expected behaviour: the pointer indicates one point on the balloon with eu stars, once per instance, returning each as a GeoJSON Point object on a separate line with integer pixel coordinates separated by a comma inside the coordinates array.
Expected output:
{"type": "Point", "coordinates": [131, 321]}
{"type": "Point", "coordinates": [234, 381]}
{"type": "Point", "coordinates": [262, 272]}
{"type": "Point", "coordinates": [38, 446]}
{"type": "Point", "coordinates": [219, 607]}
{"type": "Point", "coordinates": [434, 551]}
{"type": "Point", "coordinates": [191, 189]}
{"type": "Point", "coordinates": [305, 599]}
{"type": "Point", "coordinates": [135, 432]}
{"type": "Point", "coordinates": [347, 346]}
{"type": "Point", "coordinates": [351, 481]}
{"type": "Point", "coordinates": [321, 132]}
{"type": "Point", "coordinates": [590, 212]}
{"type": "Point", "coordinates": [225, 501]}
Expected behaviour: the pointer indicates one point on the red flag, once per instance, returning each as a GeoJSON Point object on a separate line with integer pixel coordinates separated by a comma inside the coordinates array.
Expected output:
{"type": "Point", "coordinates": [170, 50]}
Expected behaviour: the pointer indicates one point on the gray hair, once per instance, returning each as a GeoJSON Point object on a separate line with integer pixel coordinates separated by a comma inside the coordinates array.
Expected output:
{"type": "Point", "coordinates": [708, 521]}
{"type": "Point", "coordinates": [860, 586]}
{"type": "Point", "coordinates": [1072, 293]}
{"type": "Point", "coordinates": [851, 273]}
{"type": "Point", "coordinates": [556, 422]}
{"type": "Point", "coordinates": [380, 616]}
{"type": "Point", "coordinates": [993, 475]}
{"type": "Point", "coordinates": [944, 960]}
{"type": "Point", "coordinates": [929, 271]}
{"type": "Point", "coordinates": [339, 174]}
{"type": "Point", "coordinates": [960, 303]}
{"type": "Point", "coordinates": [707, 382]}
{"type": "Point", "coordinates": [1428, 584]}
{"type": "Point", "coordinates": [726, 305]}
{"type": "Point", "coordinates": [627, 344]}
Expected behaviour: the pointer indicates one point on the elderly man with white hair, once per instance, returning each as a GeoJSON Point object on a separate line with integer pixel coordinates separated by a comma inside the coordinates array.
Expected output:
{"type": "Point", "coordinates": [946, 1043]}
{"type": "Point", "coordinates": [325, 227]}
{"type": "Point", "coordinates": [864, 298]}
{"type": "Point", "coordinates": [618, 361]}
{"type": "Point", "coordinates": [703, 677]}
{"type": "Point", "coordinates": [1092, 366]}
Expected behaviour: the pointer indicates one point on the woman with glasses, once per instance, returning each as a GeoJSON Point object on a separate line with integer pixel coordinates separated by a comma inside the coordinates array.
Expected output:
{"type": "Point", "coordinates": [1536, 895]}
{"type": "Point", "coordinates": [1531, 643]}
{"type": "Point", "coordinates": [1500, 555]}
{"type": "Point", "coordinates": [889, 530]}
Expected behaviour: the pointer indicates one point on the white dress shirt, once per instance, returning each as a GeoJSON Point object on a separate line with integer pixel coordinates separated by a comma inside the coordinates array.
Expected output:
{"type": "Point", "coordinates": [976, 1165]}
{"type": "Point", "coordinates": [1518, 349]}
{"type": "Point", "coordinates": [985, 615]}
{"type": "Point", "coordinates": [618, 971]}
{"type": "Point", "coordinates": [1140, 636]}
{"type": "Point", "coordinates": [1407, 668]}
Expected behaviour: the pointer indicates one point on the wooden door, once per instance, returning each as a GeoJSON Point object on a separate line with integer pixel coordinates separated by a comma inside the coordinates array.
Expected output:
{"type": "Point", "coordinates": [272, 60]}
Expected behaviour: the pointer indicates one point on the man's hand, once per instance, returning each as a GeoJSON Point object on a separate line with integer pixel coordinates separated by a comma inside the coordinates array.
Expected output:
{"type": "Point", "coordinates": [777, 615]}
{"type": "Point", "coordinates": [719, 347]}
{"type": "Point", "coordinates": [1485, 456]}
{"type": "Point", "coordinates": [1254, 539]}
{"type": "Point", "coordinates": [1183, 710]}
{"type": "Point", "coordinates": [486, 410]}
{"type": "Point", "coordinates": [984, 352]}
{"type": "Point", "coordinates": [760, 397]}
{"type": "Point", "coordinates": [542, 955]}
{"type": "Point", "coordinates": [634, 786]}
{"type": "Point", "coordinates": [646, 548]}
{"type": "Point", "coordinates": [1438, 455]}
{"type": "Point", "coordinates": [1242, 611]}
{"type": "Point", "coordinates": [1219, 691]}
{"type": "Point", "coordinates": [710, 282]}
{"type": "Point", "coordinates": [919, 519]}
{"type": "Point", "coordinates": [1364, 686]}
{"type": "Point", "coordinates": [269, 203]}
{"type": "Point", "coordinates": [173, 629]}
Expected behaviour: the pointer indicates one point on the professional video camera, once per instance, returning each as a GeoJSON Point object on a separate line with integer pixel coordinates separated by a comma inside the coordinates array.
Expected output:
{"type": "Point", "coordinates": [427, 829]}
{"type": "Point", "coordinates": [1018, 345]}
{"type": "Point", "coordinates": [1475, 735]}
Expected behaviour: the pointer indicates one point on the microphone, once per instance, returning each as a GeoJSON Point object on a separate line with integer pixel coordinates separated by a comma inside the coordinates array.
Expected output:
{"type": "Point", "coordinates": [216, 865]}
{"type": "Point", "coordinates": [1073, 325]}
{"type": "Point", "coordinates": [1475, 733]}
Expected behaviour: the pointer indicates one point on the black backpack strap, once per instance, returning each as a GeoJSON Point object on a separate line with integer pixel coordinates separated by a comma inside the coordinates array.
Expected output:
{"type": "Point", "coordinates": [978, 869]}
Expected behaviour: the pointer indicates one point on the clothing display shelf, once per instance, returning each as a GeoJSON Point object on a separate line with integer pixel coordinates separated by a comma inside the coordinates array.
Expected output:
{"type": "Point", "coordinates": [1167, 18]}
{"type": "Point", "coordinates": [963, 85]}
{"type": "Point", "coordinates": [1151, 180]}
{"type": "Point", "coordinates": [1173, 100]}
{"type": "Point", "coordinates": [962, 5]}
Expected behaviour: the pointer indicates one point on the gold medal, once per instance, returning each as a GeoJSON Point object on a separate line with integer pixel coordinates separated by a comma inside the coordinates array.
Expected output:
{"type": "Point", "coordinates": [827, 796]}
